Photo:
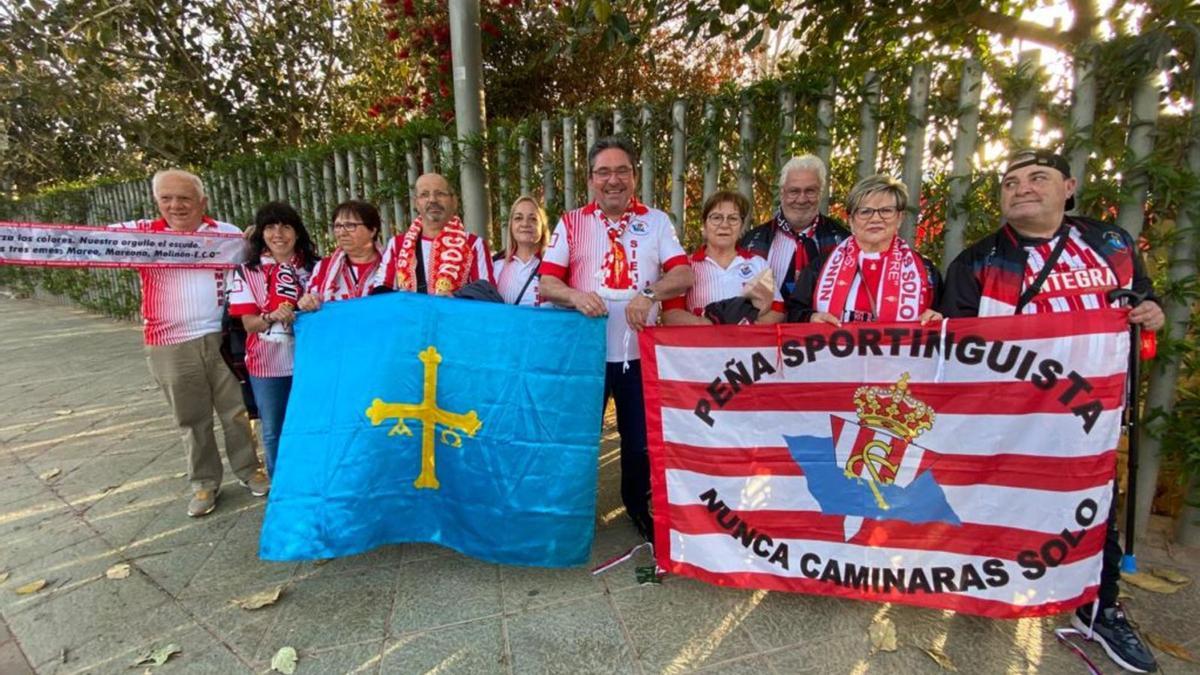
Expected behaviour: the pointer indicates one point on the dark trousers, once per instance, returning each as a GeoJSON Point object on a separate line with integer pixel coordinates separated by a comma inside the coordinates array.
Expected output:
{"type": "Point", "coordinates": [623, 383]}
{"type": "Point", "coordinates": [1110, 570]}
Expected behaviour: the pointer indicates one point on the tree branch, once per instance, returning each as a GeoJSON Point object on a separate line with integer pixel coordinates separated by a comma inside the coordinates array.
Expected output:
{"type": "Point", "coordinates": [1011, 27]}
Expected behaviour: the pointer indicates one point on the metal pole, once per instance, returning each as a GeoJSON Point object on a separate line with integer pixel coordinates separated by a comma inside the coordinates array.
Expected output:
{"type": "Point", "coordinates": [965, 140]}
{"type": "Point", "coordinates": [1083, 114]}
{"type": "Point", "coordinates": [712, 160]}
{"type": "Point", "coordinates": [868, 138]}
{"type": "Point", "coordinates": [618, 122]}
{"type": "Point", "coordinates": [1143, 117]}
{"type": "Point", "coordinates": [593, 132]}
{"type": "Point", "coordinates": [467, 61]}
{"type": "Point", "coordinates": [647, 157]}
{"type": "Point", "coordinates": [746, 153]}
{"type": "Point", "coordinates": [548, 195]}
{"type": "Point", "coordinates": [339, 170]}
{"type": "Point", "coordinates": [824, 149]}
{"type": "Point", "coordinates": [410, 160]}
{"type": "Point", "coordinates": [505, 196]}
{"type": "Point", "coordinates": [427, 165]}
{"type": "Point", "coordinates": [524, 161]}
{"type": "Point", "coordinates": [678, 163]}
{"type": "Point", "coordinates": [1022, 119]}
{"type": "Point", "coordinates": [568, 158]}
{"type": "Point", "coordinates": [914, 147]}
{"type": "Point", "coordinates": [787, 127]}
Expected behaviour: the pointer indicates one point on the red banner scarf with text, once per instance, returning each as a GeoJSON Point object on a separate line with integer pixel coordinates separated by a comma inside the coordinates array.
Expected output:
{"type": "Point", "coordinates": [450, 263]}
{"type": "Point", "coordinates": [903, 291]}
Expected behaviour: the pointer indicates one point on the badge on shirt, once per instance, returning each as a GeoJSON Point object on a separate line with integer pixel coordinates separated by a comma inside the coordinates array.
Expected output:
{"type": "Point", "coordinates": [639, 227]}
{"type": "Point", "coordinates": [745, 270]}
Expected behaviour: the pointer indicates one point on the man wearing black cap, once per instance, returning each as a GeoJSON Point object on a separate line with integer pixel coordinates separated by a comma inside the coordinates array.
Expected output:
{"type": "Point", "coordinates": [1003, 274]}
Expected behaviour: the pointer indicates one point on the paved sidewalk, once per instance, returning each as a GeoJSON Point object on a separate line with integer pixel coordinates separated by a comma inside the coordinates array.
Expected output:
{"type": "Point", "coordinates": [91, 475]}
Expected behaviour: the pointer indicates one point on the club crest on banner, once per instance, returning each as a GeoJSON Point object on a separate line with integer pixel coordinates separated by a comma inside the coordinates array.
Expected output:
{"type": "Point", "coordinates": [870, 467]}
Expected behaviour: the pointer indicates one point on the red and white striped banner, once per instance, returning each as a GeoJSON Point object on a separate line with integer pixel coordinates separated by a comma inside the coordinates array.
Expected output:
{"type": "Point", "coordinates": [965, 466]}
{"type": "Point", "coordinates": [48, 245]}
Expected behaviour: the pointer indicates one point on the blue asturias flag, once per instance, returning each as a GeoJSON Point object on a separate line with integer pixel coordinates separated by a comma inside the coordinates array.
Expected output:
{"type": "Point", "coordinates": [470, 424]}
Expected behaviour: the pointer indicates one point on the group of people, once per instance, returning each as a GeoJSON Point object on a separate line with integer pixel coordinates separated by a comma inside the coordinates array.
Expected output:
{"type": "Point", "coordinates": [621, 259]}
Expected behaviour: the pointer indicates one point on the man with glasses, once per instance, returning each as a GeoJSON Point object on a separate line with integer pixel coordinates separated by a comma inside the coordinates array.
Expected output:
{"type": "Point", "coordinates": [798, 233]}
{"type": "Point", "coordinates": [620, 258]}
{"type": "Point", "coordinates": [1042, 260]}
{"type": "Point", "coordinates": [436, 255]}
{"type": "Point", "coordinates": [182, 311]}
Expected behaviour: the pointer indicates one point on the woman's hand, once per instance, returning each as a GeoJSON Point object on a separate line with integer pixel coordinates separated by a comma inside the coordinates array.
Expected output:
{"type": "Point", "coordinates": [825, 317]}
{"type": "Point", "coordinates": [284, 314]}
{"type": "Point", "coordinates": [309, 303]}
{"type": "Point", "coordinates": [760, 296]}
{"type": "Point", "coordinates": [930, 315]}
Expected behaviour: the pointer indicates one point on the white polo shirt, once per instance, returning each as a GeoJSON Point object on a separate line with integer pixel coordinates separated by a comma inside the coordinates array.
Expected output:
{"type": "Point", "coordinates": [576, 255]}
{"type": "Point", "coordinates": [511, 277]}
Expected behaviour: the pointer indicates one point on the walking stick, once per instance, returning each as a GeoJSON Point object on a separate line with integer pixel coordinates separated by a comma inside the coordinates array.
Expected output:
{"type": "Point", "coordinates": [1132, 422]}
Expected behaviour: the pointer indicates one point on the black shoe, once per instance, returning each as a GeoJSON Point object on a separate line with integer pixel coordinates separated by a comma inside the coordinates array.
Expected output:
{"type": "Point", "coordinates": [644, 523]}
{"type": "Point", "coordinates": [1122, 643]}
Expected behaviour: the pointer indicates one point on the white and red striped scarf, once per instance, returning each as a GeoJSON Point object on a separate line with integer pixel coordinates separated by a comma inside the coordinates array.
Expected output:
{"type": "Point", "coordinates": [902, 292]}
{"type": "Point", "coordinates": [337, 282]}
{"type": "Point", "coordinates": [450, 263]}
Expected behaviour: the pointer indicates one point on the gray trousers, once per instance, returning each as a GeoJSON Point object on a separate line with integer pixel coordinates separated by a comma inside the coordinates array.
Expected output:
{"type": "Point", "coordinates": [196, 381]}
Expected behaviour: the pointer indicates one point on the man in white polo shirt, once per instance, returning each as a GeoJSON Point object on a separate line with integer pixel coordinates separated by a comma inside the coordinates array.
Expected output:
{"type": "Point", "coordinates": [181, 315]}
{"type": "Point", "coordinates": [620, 258]}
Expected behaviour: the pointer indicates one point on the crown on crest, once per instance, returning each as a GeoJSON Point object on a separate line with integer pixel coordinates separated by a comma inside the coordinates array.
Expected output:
{"type": "Point", "coordinates": [893, 409]}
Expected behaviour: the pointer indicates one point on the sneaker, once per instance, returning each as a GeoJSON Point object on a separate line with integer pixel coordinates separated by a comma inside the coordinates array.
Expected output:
{"type": "Point", "coordinates": [258, 484]}
{"type": "Point", "coordinates": [1120, 641]}
{"type": "Point", "coordinates": [203, 502]}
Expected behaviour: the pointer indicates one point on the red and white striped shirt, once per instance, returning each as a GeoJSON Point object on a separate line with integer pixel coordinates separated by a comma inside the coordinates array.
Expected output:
{"type": "Point", "coordinates": [181, 304]}
{"type": "Point", "coordinates": [714, 283]}
{"type": "Point", "coordinates": [576, 255]}
{"type": "Point", "coordinates": [264, 357]}
{"type": "Point", "coordinates": [1081, 278]}
{"type": "Point", "coordinates": [337, 278]}
{"type": "Point", "coordinates": [386, 275]}
{"type": "Point", "coordinates": [511, 277]}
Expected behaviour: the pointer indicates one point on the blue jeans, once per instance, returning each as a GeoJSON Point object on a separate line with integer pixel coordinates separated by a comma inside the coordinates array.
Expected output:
{"type": "Point", "coordinates": [271, 393]}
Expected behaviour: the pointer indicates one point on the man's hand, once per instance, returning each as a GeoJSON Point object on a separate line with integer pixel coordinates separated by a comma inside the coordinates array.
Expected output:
{"type": "Point", "coordinates": [589, 304]}
{"type": "Point", "coordinates": [309, 303]}
{"type": "Point", "coordinates": [825, 317]}
{"type": "Point", "coordinates": [1148, 314]}
{"type": "Point", "coordinates": [638, 311]}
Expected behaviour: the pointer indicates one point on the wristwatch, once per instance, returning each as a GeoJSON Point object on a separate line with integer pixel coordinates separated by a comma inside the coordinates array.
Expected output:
{"type": "Point", "coordinates": [648, 293]}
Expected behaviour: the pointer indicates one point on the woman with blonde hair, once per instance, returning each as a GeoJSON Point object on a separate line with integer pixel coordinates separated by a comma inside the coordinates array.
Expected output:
{"type": "Point", "coordinates": [516, 269]}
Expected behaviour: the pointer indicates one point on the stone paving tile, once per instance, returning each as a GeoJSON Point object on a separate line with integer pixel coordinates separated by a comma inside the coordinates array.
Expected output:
{"type": "Point", "coordinates": [242, 631]}
{"type": "Point", "coordinates": [234, 562]}
{"type": "Point", "coordinates": [329, 611]}
{"type": "Point", "coordinates": [362, 657]}
{"type": "Point", "coordinates": [473, 647]}
{"type": "Point", "coordinates": [683, 624]}
{"type": "Point", "coordinates": [579, 637]}
{"type": "Point", "coordinates": [455, 589]}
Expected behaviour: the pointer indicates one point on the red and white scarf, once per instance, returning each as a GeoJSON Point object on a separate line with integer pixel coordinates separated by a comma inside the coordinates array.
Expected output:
{"type": "Point", "coordinates": [451, 258]}
{"type": "Point", "coordinates": [284, 285]}
{"type": "Point", "coordinates": [616, 272]}
{"type": "Point", "coordinates": [337, 280]}
{"type": "Point", "coordinates": [903, 291]}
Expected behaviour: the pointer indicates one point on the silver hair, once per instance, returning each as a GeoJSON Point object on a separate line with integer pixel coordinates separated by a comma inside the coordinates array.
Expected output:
{"type": "Point", "coordinates": [177, 173]}
{"type": "Point", "coordinates": [875, 185]}
{"type": "Point", "coordinates": [804, 163]}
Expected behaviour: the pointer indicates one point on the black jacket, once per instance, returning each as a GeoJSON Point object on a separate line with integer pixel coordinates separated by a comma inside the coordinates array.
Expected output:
{"type": "Point", "coordinates": [800, 305]}
{"type": "Point", "coordinates": [999, 260]}
{"type": "Point", "coordinates": [829, 233]}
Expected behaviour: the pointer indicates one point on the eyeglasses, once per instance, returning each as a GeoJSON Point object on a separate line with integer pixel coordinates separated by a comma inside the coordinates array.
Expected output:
{"type": "Point", "coordinates": [345, 225]}
{"type": "Point", "coordinates": [619, 172]}
{"type": "Point", "coordinates": [436, 194]}
{"type": "Point", "coordinates": [866, 212]}
{"type": "Point", "coordinates": [719, 218]}
{"type": "Point", "coordinates": [796, 193]}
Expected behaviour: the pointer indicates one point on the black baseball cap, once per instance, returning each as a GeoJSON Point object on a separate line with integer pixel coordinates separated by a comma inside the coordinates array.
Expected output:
{"type": "Point", "coordinates": [1030, 156]}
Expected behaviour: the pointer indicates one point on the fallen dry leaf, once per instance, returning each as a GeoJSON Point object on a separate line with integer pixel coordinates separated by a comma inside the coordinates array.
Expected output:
{"type": "Point", "coordinates": [3, 577]}
{"type": "Point", "coordinates": [284, 661]}
{"type": "Point", "coordinates": [261, 599]}
{"type": "Point", "coordinates": [158, 656]}
{"type": "Point", "coordinates": [118, 571]}
{"type": "Point", "coordinates": [1166, 646]}
{"type": "Point", "coordinates": [883, 635]}
{"type": "Point", "coordinates": [31, 587]}
{"type": "Point", "coordinates": [181, 474]}
{"type": "Point", "coordinates": [1173, 576]}
{"type": "Point", "coordinates": [940, 658]}
{"type": "Point", "coordinates": [1149, 582]}
{"type": "Point", "coordinates": [64, 411]}
{"type": "Point", "coordinates": [51, 473]}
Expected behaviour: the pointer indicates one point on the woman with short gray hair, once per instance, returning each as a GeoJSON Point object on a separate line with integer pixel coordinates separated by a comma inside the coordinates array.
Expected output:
{"type": "Point", "coordinates": [874, 275]}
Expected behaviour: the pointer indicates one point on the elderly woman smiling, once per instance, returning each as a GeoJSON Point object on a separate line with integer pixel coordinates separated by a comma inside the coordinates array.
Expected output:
{"type": "Point", "coordinates": [874, 275]}
{"type": "Point", "coordinates": [731, 285]}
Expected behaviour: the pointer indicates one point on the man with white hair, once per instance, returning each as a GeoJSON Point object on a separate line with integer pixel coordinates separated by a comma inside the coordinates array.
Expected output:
{"type": "Point", "coordinates": [798, 233]}
{"type": "Point", "coordinates": [181, 315]}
